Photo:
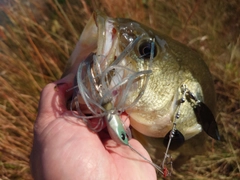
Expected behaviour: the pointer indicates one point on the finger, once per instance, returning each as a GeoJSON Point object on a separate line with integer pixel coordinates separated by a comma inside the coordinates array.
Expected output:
{"type": "Point", "coordinates": [142, 155]}
{"type": "Point", "coordinates": [134, 155]}
{"type": "Point", "coordinates": [53, 98]}
{"type": "Point", "coordinates": [125, 119]}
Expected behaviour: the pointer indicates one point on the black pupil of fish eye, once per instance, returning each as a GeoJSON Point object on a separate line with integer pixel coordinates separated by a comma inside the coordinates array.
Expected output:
{"type": "Point", "coordinates": [145, 50]}
{"type": "Point", "coordinates": [123, 136]}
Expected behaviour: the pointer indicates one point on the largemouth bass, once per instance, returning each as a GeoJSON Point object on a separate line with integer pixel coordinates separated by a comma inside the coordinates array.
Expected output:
{"type": "Point", "coordinates": [163, 86]}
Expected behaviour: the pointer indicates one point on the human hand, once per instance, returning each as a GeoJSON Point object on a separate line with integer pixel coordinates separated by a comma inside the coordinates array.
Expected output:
{"type": "Point", "coordinates": [64, 148]}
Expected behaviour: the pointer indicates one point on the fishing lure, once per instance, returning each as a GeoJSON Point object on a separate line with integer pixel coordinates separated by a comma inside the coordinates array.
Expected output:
{"type": "Point", "coordinates": [97, 86]}
{"type": "Point", "coordinates": [97, 92]}
{"type": "Point", "coordinates": [204, 115]}
{"type": "Point", "coordinates": [174, 138]}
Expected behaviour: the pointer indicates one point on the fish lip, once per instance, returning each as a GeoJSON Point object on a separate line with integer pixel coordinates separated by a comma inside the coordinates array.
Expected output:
{"type": "Point", "coordinates": [107, 37]}
{"type": "Point", "coordinates": [92, 41]}
{"type": "Point", "coordinates": [100, 21]}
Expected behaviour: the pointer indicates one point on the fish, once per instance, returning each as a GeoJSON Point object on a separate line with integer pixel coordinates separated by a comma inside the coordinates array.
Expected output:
{"type": "Point", "coordinates": [164, 87]}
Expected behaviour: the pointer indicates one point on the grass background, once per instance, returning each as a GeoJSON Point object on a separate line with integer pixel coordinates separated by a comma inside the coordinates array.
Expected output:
{"type": "Point", "coordinates": [37, 37]}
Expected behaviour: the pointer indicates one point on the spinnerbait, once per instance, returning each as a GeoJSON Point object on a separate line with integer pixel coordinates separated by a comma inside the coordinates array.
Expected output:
{"type": "Point", "coordinates": [99, 97]}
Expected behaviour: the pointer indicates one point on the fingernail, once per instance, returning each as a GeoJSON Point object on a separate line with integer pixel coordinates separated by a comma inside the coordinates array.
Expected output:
{"type": "Point", "coordinates": [56, 88]}
{"type": "Point", "coordinates": [59, 84]}
{"type": "Point", "coordinates": [64, 83]}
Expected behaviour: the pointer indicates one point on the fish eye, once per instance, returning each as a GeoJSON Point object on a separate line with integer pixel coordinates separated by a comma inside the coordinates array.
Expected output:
{"type": "Point", "coordinates": [145, 49]}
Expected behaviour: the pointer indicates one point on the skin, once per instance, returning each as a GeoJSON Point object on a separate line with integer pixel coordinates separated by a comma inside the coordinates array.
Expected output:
{"type": "Point", "coordinates": [64, 148]}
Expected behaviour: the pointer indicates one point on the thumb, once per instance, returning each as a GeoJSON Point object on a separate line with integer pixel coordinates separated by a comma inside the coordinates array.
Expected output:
{"type": "Point", "coordinates": [53, 100]}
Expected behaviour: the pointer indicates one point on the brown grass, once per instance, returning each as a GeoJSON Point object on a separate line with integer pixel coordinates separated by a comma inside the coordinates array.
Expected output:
{"type": "Point", "coordinates": [37, 38]}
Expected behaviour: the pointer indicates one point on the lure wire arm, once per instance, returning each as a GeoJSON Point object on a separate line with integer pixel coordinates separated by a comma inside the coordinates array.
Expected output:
{"type": "Point", "coordinates": [171, 135]}
{"type": "Point", "coordinates": [154, 165]}
{"type": "Point", "coordinates": [186, 93]}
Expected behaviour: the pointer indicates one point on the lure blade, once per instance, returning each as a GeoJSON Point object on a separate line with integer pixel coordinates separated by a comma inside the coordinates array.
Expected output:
{"type": "Point", "coordinates": [176, 141]}
{"type": "Point", "coordinates": [207, 120]}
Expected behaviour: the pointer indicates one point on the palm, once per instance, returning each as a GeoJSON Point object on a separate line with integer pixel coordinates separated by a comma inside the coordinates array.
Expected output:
{"type": "Point", "coordinates": [64, 149]}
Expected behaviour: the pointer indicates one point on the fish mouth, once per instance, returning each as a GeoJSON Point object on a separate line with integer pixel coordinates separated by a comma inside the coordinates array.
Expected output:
{"type": "Point", "coordinates": [97, 46]}
{"type": "Point", "coordinates": [107, 38]}
{"type": "Point", "coordinates": [111, 62]}
{"type": "Point", "coordinates": [100, 37]}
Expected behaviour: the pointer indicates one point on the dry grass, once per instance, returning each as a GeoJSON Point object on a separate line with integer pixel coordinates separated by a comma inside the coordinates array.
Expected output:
{"type": "Point", "coordinates": [37, 37]}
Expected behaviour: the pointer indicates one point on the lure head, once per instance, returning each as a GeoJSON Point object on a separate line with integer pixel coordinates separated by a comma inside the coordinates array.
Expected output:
{"type": "Point", "coordinates": [116, 129]}
{"type": "Point", "coordinates": [122, 49]}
